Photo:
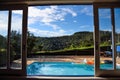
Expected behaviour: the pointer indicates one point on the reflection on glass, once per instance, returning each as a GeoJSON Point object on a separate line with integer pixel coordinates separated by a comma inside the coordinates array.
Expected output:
{"type": "Point", "coordinates": [105, 39]}
{"type": "Point", "coordinates": [15, 40]}
{"type": "Point", "coordinates": [117, 33]}
{"type": "Point", "coordinates": [3, 38]}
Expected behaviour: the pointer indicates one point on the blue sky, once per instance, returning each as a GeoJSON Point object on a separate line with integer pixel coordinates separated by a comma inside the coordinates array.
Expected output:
{"type": "Point", "coordinates": [105, 22]}
{"type": "Point", "coordinates": [105, 19]}
{"type": "Point", "coordinates": [49, 21]}
{"type": "Point", "coordinates": [16, 22]}
{"type": "Point", "coordinates": [59, 20]}
{"type": "Point", "coordinates": [117, 20]}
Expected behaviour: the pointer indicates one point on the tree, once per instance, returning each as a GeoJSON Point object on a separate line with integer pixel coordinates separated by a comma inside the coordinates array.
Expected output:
{"type": "Point", "coordinates": [15, 42]}
{"type": "Point", "coordinates": [15, 45]}
{"type": "Point", "coordinates": [31, 42]}
{"type": "Point", "coordinates": [2, 42]}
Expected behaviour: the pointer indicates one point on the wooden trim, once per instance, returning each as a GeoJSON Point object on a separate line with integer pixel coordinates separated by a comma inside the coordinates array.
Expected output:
{"type": "Point", "coordinates": [96, 42]}
{"type": "Point", "coordinates": [12, 7]}
{"type": "Point", "coordinates": [55, 2]}
{"type": "Point", "coordinates": [9, 8]}
{"type": "Point", "coordinates": [113, 37]}
{"type": "Point", "coordinates": [24, 39]}
{"type": "Point", "coordinates": [99, 72]}
{"type": "Point", "coordinates": [107, 5]}
{"type": "Point", "coordinates": [8, 39]}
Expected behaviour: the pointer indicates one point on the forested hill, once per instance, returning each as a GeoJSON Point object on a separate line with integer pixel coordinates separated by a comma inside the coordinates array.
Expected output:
{"type": "Point", "coordinates": [77, 40]}
{"type": "Point", "coordinates": [2, 41]}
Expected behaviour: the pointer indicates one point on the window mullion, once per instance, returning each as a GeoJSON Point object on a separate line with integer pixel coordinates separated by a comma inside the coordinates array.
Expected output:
{"type": "Point", "coordinates": [8, 40]}
{"type": "Point", "coordinates": [96, 37]}
{"type": "Point", "coordinates": [24, 38]}
{"type": "Point", "coordinates": [113, 38]}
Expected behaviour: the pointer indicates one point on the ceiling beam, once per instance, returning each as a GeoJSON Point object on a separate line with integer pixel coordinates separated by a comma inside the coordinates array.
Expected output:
{"type": "Point", "coordinates": [41, 2]}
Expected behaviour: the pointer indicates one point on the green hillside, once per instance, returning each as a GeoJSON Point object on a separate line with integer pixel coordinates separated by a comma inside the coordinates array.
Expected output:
{"type": "Point", "coordinates": [77, 40]}
{"type": "Point", "coordinates": [2, 42]}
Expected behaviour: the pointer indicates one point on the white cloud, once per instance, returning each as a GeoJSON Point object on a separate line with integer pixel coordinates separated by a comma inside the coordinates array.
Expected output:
{"type": "Point", "coordinates": [49, 15]}
{"type": "Point", "coordinates": [87, 11]}
{"type": "Point", "coordinates": [3, 23]}
{"type": "Point", "coordinates": [15, 25]}
{"type": "Point", "coordinates": [104, 13]}
{"type": "Point", "coordinates": [46, 33]}
{"type": "Point", "coordinates": [55, 27]}
{"type": "Point", "coordinates": [31, 20]}
{"type": "Point", "coordinates": [17, 12]}
{"type": "Point", "coordinates": [3, 29]}
{"type": "Point", "coordinates": [118, 30]}
{"type": "Point", "coordinates": [46, 15]}
{"type": "Point", "coordinates": [70, 11]}
{"type": "Point", "coordinates": [86, 28]}
{"type": "Point", "coordinates": [74, 21]}
{"type": "Point", "coordinates": [54, 7]}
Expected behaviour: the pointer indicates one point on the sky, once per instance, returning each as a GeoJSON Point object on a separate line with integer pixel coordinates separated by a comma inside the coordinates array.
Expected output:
{"type": "Point", "coordinates": [16, 21]}
{"type": "Point", "coordinates": [105, 22]}
{"type": "Point", "coordinates": [49, 21]}
{"type": "Point", "coordinates": [59, 20]}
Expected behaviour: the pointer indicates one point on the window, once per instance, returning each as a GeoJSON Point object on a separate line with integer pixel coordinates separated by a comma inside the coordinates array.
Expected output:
{"type": "Point", "coordinates": [106, 24]}
{"type": "Point", "coordinates": [62, 40]}
{"type": "Point", "coordinates": [13, 39]}
{"type": "Point", "coordinates": [117, 34]}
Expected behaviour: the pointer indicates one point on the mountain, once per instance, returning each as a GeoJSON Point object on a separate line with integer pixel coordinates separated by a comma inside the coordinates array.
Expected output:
{"type": "Point", "coordinates": [77, 40]}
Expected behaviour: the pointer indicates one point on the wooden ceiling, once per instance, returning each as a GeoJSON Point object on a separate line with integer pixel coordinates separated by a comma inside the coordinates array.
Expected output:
{"type": "Point", "coordinates": [39, 2]}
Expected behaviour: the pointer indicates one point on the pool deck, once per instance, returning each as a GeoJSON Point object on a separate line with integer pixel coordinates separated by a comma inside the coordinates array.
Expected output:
{"type": "Point", "coordinates": [75, 59]}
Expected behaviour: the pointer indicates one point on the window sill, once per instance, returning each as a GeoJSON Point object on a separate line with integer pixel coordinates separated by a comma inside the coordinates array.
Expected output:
{"type": "Point", "coordinates": [55, 78]}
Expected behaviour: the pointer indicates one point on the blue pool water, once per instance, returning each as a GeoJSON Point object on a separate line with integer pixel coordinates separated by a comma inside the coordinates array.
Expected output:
{"type": "Point", "coordinates": [60, 69]}
{"type": "Point", "coordinates": [63, 69]}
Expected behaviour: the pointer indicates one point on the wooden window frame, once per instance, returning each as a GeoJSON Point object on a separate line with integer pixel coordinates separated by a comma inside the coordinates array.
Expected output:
{"type": "Point", "coordinates": [98, 72]}
{"type": "Point", "coordinates": [9, 8]}
{"type": "Point", "coordinates": [96, 36]}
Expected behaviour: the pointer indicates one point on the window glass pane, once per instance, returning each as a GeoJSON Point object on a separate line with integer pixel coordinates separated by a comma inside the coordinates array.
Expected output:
{"type": "Point", "coordinates": [16, 40]}
{"type": "Point", "coordinates": [106, 60]}
{"type": "Point", "coordinates": [60, 40]}
{"type": "Point", "coordinates": [3, 38]}
{"type": "Point", "coordinates": [117, 33]}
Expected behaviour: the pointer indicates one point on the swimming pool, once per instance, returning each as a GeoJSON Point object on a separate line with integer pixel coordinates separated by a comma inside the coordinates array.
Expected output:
{"type": "Point", "coordinates": [60, 69]}
{"type": "Point", "coordinates": [63, 69]}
